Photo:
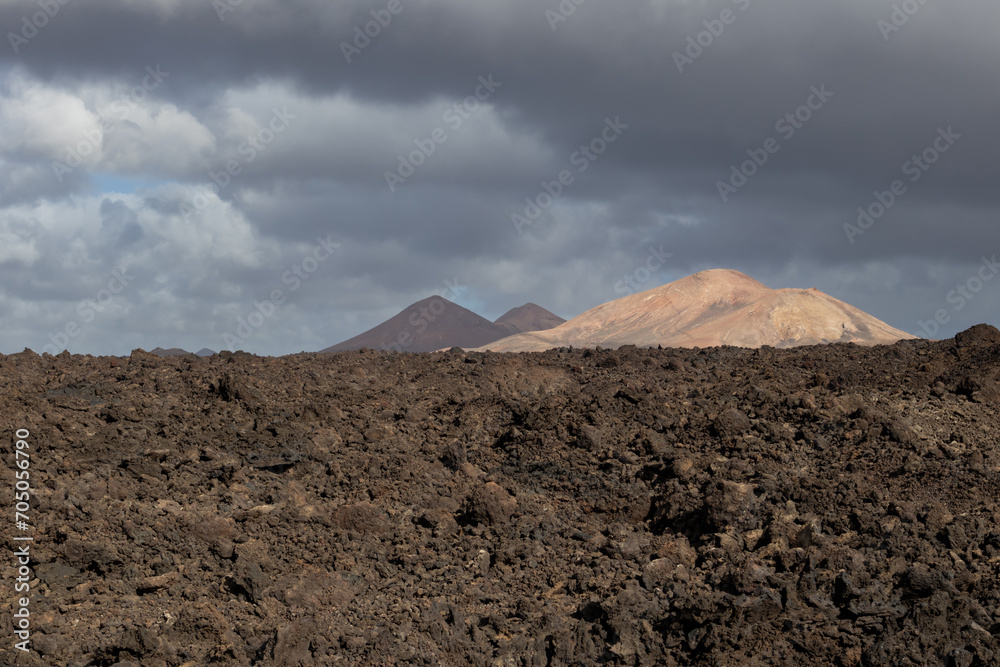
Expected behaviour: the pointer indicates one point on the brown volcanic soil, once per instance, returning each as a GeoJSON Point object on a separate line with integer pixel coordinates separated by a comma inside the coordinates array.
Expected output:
{"type": "Point", "coordinates": [828, 505]}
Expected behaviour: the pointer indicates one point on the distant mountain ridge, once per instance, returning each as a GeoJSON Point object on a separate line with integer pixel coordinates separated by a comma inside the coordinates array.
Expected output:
{"type": "Point", "coordinates": [711, 308]}
{"type": "Point", "coordinates": [435, 323]}
{"type": "Point", "coordinates": [169, 352]}
{"type": "Point", "coordinates": [178, 352]}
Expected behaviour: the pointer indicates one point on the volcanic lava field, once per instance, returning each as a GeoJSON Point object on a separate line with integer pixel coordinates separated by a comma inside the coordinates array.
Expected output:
{"type": "Point", "coordinates": [824, 505]}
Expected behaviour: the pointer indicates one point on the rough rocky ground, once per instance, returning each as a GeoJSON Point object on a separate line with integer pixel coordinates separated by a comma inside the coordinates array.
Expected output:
{"type": "Point", "coordinates": [831, 505]}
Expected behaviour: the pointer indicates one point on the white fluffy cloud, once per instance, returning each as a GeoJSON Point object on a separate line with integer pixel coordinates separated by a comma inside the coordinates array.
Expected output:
{"type": "Point", "coordinates": [108, 128]}
{"type": "Point", "coordinates": [40, 120]}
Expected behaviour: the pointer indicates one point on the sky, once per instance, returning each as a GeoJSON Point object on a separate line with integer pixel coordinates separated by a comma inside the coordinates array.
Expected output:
{"type": "Point", "coordinates": [278, 176]}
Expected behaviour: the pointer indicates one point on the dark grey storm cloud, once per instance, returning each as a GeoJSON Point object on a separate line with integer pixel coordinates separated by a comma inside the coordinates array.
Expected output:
{"type": "Point", "coordinates": [215, 149]}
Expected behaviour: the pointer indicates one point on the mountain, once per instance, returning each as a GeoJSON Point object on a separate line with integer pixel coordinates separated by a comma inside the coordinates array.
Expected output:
{"type": "Point", "coordinates": [712, 308]}
{"type": "Point", "coordinates": [431, 324]}
{"type": "Point", "coordinates": [172, 352]}
{"type": "Point", "coordinates": [529, 317]}
{"type": "Point", "coordinates": [436, 323]}
{"type": "Point", "coordinates": [177, 352]}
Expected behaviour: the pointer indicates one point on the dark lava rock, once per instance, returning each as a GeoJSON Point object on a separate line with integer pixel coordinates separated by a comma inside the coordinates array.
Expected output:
{"type": "Point", "coordinates": [731, 422]}
{"type": "Point", "coordinates": [588, 438]}
{"type": "Point", "coordinates": [981, 335]}
{"type": "Point", "coordinates": [359, 517]}
{"type": "Point", "coordinates": [491, 504]}
{"type": "Point", "coordinates": [831, 505]}
{"type": "Point", "coordinates": [901, 431]}
{"type": "Point", "coordinates": [731, 504]}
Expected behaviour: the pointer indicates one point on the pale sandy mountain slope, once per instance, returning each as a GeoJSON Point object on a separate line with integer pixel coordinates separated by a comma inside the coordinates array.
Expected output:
{"type": "Point", "coordinates": [712, 308]}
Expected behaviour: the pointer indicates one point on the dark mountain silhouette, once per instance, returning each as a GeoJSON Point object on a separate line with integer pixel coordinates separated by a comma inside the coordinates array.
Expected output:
{"type": "Point", "coordinates": [171, 352]}
{"type": "Point", "coordinates": [178, 352]}
{"type": "Point", "coordinates": [436, 323]}
{"type": "Point", "coordinates": [427, 325]}
{"type": "Point", "coordinates": [529, 317]}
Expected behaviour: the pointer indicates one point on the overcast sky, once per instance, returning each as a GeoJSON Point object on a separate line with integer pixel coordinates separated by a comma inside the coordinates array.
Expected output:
{"type": "Point", "coordinates": [168, 168]}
